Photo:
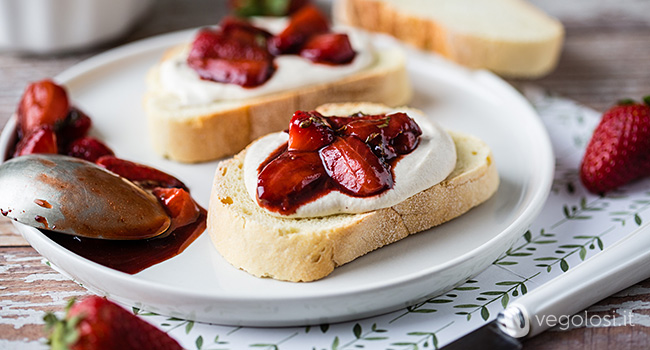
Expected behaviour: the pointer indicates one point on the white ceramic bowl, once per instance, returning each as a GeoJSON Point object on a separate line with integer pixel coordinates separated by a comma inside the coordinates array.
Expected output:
{"type": "Point", "coordinates": [58, 26]}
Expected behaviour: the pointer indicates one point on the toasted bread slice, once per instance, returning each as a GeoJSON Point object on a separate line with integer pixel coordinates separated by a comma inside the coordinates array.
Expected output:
{"type": "Point", "coordinates": [510, 37]}
{"type": "Point", "coordinates": [197, 133]}
{"type": "Point", "coordinates": [309, 249]}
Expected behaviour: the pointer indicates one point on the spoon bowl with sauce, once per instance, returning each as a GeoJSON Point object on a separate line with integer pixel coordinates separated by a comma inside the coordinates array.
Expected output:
{"type": "Point", "coordinates": [77, 197]}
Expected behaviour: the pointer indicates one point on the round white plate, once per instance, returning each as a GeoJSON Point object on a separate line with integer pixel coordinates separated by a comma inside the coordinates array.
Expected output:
{"type": "Point", "coordinates": [199, 285]}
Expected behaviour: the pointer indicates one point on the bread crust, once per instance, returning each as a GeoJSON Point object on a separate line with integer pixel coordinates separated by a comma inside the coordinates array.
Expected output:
{"type": "Point", "coordinates": [197, 134]}
{"type": "Point", "coordinates": [309, 249]}
{"type": "Point", "coordinates": [509, 58]}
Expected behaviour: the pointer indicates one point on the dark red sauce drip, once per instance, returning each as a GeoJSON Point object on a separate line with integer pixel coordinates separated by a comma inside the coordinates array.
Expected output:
{"type": "Point", "coordinates": [42, 221]}
{"type": "Point", "coordinates": [136, 255]}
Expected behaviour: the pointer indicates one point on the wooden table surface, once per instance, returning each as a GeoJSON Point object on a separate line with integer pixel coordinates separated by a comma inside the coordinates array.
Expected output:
{"type": "Point", "coordinates": [606, 57]}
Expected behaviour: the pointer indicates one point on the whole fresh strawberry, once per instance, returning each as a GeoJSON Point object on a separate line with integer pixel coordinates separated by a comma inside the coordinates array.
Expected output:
{"type": "Point", "coordinates": [96, 323]}
{"type": "Point", "coordinates": [619, 150]}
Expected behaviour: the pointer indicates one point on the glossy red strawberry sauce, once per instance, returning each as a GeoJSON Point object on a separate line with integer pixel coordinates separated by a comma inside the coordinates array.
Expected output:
{"type": "Point", "coordinates": [354, 155]}
{"type": "Point", "coordinates": [133, 256]}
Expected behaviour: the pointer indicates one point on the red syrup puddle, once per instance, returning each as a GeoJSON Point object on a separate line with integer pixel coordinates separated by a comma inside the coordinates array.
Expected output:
{"type": "Point", "coordinates": [135, 255]}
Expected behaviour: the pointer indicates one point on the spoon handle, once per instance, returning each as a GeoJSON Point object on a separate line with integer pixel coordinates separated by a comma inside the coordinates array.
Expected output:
{"type": "Point", "coordinates": [611, 270]}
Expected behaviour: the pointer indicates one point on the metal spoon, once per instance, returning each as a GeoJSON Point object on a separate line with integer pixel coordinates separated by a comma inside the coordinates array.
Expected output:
{"type": "Point", "coordinates": [74, 196]}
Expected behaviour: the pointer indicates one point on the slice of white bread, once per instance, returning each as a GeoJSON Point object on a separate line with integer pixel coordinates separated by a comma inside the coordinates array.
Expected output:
{"type": "Point", "coordinates": [196, 133]}
{"type": "Point", "coordinates": [509, 37]}
{"type": "Point", "coordinates": [309, 249]}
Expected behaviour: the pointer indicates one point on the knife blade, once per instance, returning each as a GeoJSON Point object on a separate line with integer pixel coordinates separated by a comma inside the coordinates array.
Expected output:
{"type": "Point", "coordinates": [607, 272]}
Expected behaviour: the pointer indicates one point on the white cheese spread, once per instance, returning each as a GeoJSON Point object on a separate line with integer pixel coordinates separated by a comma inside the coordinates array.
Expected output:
{"type": "Point", "coordinates": [430, 163]}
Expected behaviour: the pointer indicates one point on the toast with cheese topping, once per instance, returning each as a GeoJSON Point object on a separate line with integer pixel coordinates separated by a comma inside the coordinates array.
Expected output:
{"type": "Point", "coordinates": [198, 133]}
{"type": "Point", "coordinates": [309, 249]}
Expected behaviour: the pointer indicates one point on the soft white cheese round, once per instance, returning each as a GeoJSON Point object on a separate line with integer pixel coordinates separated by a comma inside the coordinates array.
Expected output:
{"type": "Point", "coordinates": [292, 71]}
{"type": "Point", "coordinates": [430, 163]}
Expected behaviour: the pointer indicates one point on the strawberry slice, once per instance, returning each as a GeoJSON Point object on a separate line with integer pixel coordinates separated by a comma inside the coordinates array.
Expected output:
{"type": "Point", "coordinates": [244, 32]}
{"type": "Point", "coordinates": [41, 140]}
{"type": "Point", "coordinates": [88, 148]}
{"type": "Point", "coordinates": [352, 164]}
{"type": "Point", "coordinates": [388, 135]}
{"type": "Point", "coordinates": [217, 57]}
{"type": "Point", "coordinates": [289, 180]}
{"type": "Point", "coordinates": [402, 132]}
{"type": "Point", "coordinates": [369, 129]}
{"type": "Point", "coordinates": [331, 48]}
{"type": "Point", "coordinates": [305, 23]}
{"type": "Point", "coordinates": [145, 176]}
{"type": "Point", "coordinates": [309, 131]}
{"type": "Point", "coordinates": [75, 125]}
{"type": "Point", "coordinates": [43, 103]}
{"type": "Point", "coordinates": [178, 203]}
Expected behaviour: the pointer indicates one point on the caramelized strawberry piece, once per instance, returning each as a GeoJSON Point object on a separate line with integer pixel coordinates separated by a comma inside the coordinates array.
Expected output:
{"type": "Point", "coordinates": [309, 131]}
{"type": "Point", "coordinates": [179, 205]}
{"type": "Point", "coordinates": [388, 135]}
{"type": "Point", "coordinates": [217, 57]}
{"type": "Point", "coordinates": [305, 23]}
{"type": "Point", "coordinates": [145, 176]}
{"type": "Point", "coordinates": [285, 182]}
{"type": "Point", "coordinates": [332, 48]}
{"type": "Point", "coordinates": [75, 125]}
{"type": "Point", "coordinates": [44, 103]}
{"type": "Point", "coordinates": [244, 32]}
{"type": "Point", "coordinates": [40, 140]}
{"type": "Point", "coordinates": [403, 133]}
{"type": "Point", "coordinates": [351, 164]}
{"type": "Point", "coordinates": [88, 148]}
{"type": "Point", "coordinates": [246, 73]}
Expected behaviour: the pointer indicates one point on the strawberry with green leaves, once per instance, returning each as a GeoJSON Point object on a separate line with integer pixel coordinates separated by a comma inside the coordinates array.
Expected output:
{"type": "Point", "coordinates": [619, 150]}
{"type": "Point", "coordinates": [96, 323]}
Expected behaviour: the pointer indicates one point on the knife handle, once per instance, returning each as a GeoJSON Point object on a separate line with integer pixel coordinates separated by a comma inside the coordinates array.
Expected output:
{"type": "Point", "coordinates": [615, 268]}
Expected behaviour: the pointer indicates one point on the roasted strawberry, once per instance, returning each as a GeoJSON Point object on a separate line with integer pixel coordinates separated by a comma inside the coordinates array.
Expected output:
{"type": "Point", "coordinates": [96, 323]}
{"type": "Point", "coordinates": [244, 32]}
{"type": "Point", "coordinates": [40, 140]}
{"type": "Point", "coordinates": [402, 132]}
{"type": "Point", "coordinates": [88, 148]}
{"type": "Point", "coordinates": [369, 129]}
{"type": "Point", "coordinates": [332, 48]}
{"type": "Point", "coordinates": [619, 149]}
{"type": "Point", "coordinates": [145, 176]}
{"type": "Point", "coordinates": [388, 135]}
{"type": "Point", "coordinates": [305, 23]}
{"type": "Point", "coordinates": [352, 164]}
{"type": "Point", "coordinates": [217, 57]}
{"type": "Point", "coordinates": [43, 103]}
{"type": "Point", "coordinates": [309, 131]}
{"type": "Point", "coordinates": [287, 180]}
{"type": "Point", "coordinates": [179, 205]}
{"type": "Point", "coordinates": [75, 125]}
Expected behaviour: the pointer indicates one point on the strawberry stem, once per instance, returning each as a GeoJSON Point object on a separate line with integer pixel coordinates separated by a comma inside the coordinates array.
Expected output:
{"type": "Point", "coordinates": [63, 332]}
{"type": "Point", "coordinates": [626, 101]}
{"type": "Point", "coordinates": [647, 100]}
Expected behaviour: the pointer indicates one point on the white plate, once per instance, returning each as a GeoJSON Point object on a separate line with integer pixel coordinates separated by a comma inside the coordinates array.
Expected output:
{"type": "Point", "coordinates": [199, 285]}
